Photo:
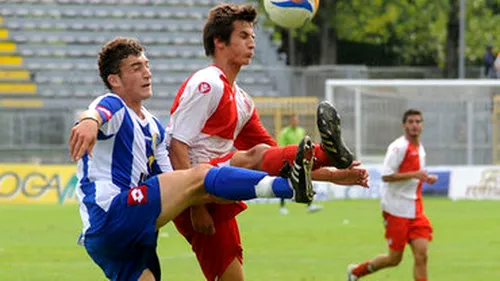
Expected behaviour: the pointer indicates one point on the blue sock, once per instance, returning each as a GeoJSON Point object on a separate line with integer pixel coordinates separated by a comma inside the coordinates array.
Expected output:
{"type": "Point", "coordinates": [281, 188]}
{"type": "Point", "coordinates": [241, 184]}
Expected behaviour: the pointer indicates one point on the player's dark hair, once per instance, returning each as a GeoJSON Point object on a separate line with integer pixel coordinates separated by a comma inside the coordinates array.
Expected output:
{"type": "Point", "coordinates": [219, 23]}
{"type": "Point", "coordinates": [411, 112]}
{"type": "Point", "coordinates": [113, 53]}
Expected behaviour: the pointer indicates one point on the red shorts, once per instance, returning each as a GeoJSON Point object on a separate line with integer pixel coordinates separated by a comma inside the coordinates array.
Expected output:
{"type": "Point", "coordinates": [399, 230]}
{"type": "Point", "coordinates": [214, 252]}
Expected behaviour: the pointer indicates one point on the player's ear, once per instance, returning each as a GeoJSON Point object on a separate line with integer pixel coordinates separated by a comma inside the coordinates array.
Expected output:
{"type": "Point", "coordinates": [218, 43]}
{"type": "Point", "coordinates": [114, 80]}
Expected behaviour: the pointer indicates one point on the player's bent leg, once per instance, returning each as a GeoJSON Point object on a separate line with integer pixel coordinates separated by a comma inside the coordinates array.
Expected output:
{"type": "Point", "coordinates": [391, 259]}
{"type": "Point", "coordinates": [180, 190]}
{"type": "Point", "coordinates": [184, 188]}
{"type": "Point", "coordinates": [234, 272]}
{"type": "Point", "coordinates": [355, 271]}
{"type": "Point", "coordinates": [254, 159]}
{"type": "Point", "coordinates": [419, 247]}
{"type": "Point", "coordinates": [241, 184]}
{"type": "Point", "coordinates": [250, 159]}
{"type": "Point", "coordinates": [147, 275]}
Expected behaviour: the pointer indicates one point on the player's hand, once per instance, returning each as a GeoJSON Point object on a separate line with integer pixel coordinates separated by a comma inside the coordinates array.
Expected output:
{"type": "Point", "coordinates": [352, 176]}
{"type": "Point", "coordinates": [431, 179]}
{"type": "Point", "coordinates": [421, 175]}
{"type": "Point", "coordinates": [202, 220]}
{"type": "Point", "coordinates": [82, 139]}
{"type": "Point", "coordinates": [354, 164]}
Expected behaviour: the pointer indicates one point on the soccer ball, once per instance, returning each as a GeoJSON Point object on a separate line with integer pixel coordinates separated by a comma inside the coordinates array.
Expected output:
{"type": "Point", "coordinates": [291, 13]}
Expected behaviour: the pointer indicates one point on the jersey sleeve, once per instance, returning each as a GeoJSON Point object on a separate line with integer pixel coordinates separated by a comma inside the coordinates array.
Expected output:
{"type": "Point", "coordinates": [393, 158]}
{"type": "Point", "coordinates": [108, 106]}
{"type": "Point", "coordinates": [196, 102]}
{"type": "Point", "coordinates": [253, 133]}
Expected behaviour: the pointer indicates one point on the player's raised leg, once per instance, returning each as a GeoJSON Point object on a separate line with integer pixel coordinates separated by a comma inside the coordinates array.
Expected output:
{"type": "Point", "coordinates": [254, 158]}
{"type": "Point", "coordinates": [328, 121]}
{"type": "Point", "coordinates": [198, 185]}
{"type": "Point", "coordinates": [331, 152]}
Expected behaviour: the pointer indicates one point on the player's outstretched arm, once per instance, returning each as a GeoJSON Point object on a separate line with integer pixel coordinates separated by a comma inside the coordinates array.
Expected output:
{"type": "Point", "coordinates": [420, 175]}
{"type": "Point", "coordinates": [84, 134]}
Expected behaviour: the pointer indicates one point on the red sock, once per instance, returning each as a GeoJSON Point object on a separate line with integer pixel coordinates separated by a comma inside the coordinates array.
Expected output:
{"type": "Point", "coordinates": [362, 269]}
{"type": "Point", "coordinates": [273, 158]}
{"type": "Point", "coordinates": [421, 279]}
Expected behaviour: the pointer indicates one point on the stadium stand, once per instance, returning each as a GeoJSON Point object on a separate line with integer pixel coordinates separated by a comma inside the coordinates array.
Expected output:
{"type": "Point", "coordinates": [48, 68]}
{"type": "Point", "coordinates": [48, 48]}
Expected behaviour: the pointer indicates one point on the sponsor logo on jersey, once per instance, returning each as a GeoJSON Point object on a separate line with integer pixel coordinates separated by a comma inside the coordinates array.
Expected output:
{"type": "Point", "coordinates": [138, 195]}
{"type": "Point", "coordinates": [204, 87]}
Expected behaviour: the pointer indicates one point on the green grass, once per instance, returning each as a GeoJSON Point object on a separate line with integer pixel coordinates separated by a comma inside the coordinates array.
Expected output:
{"type": "Point", "coordinates": [39, 243]}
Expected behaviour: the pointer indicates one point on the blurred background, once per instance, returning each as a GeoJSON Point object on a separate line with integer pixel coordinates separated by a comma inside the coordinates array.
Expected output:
{"type": "Point", "coordinates": [372, 59]}
{"type": "Point", "coordinates": [48, 69]}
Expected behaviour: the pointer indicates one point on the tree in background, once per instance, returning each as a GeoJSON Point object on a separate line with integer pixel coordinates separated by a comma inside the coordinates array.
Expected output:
{"type": "Point", "coordinates": [393, 32]}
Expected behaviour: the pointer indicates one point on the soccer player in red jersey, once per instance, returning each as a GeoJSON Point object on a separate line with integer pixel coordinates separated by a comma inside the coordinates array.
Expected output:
{"type": "Point", "coordinates": [211, 115]}
{"type": "Point", "coordinates": [404, 218]}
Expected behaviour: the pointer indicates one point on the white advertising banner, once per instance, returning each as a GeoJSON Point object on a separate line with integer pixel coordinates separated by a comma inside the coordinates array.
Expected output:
{"type": "Point", "coordinates": [455, 182]}
{"type": "Point", "coordinates": [475, 182]}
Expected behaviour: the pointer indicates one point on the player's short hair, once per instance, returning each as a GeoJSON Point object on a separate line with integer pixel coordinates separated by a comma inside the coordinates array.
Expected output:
{"type": "Point", "coordinates": [112, 54]}
{"type": "Point", "coordinates": [219, 23]}
{"type": "Point", "coordinates": [411, 112]}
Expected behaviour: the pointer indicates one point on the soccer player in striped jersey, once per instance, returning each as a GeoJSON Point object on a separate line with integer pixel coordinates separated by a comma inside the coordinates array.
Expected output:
{"type": "Point", "coordinates": [403, 211]}
{"type": "Point", "coordinates": [126, 188]}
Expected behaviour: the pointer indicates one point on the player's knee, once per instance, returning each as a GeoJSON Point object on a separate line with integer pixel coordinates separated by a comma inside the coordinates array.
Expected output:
{"type": "Point", "coordinates": [259, 149]}
{"type": "Point", "coordinates": [200, 171]}
{"type": "Point", "coordinates": [255, 155]}
{"type": "Point", "coordinates": [395, 259]}
{"type": "Point", "coordinates": [420, 257]}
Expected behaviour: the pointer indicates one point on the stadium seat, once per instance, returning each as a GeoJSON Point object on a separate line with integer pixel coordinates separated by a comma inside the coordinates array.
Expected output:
{"type": "Point", "coordinates": [60, 39]}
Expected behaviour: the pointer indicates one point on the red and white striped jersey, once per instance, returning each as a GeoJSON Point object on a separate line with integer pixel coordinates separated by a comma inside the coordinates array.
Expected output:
{"type": "Point", "coordinates": [403, 198]}
{"type": "Point", "coordinates": [211, 117]}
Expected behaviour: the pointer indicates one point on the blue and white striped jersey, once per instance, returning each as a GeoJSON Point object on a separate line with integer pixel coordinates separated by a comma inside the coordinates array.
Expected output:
{"type": "Point", "coordinates": [128, 151]}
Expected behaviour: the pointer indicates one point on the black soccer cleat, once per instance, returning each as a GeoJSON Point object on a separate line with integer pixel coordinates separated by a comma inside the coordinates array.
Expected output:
{"type": "Point", "coordinates": [300, 172]}
{"type": "Point", "coordinates": [328, 121]}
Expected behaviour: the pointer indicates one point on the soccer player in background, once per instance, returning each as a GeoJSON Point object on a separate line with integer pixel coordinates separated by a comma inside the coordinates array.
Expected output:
{"type": "Point", "coordinates": [293, 134]}
{"type": "Point", "coordinates": [404, 218]}
{"type": "Point", "coordinates": [126, 188]}
{"type": "Point", "coordinates": [210, 116]}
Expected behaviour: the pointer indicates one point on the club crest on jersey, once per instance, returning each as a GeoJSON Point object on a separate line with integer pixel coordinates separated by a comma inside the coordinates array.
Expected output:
{"type": "Point", "coordinates": [154, 141]}
{"type": "Point", "coordinates": [204, 87]}
{"type": "Point", "coordinates": [137, 195]}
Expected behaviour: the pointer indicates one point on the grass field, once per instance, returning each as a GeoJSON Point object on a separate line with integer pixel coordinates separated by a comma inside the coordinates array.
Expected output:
{"type": "Point", "coordinates": [39, 243]}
